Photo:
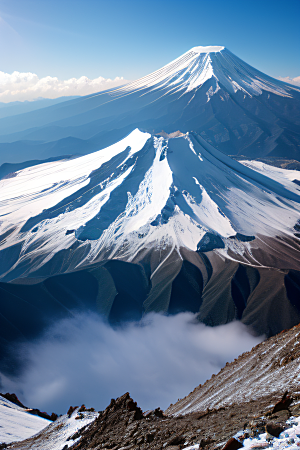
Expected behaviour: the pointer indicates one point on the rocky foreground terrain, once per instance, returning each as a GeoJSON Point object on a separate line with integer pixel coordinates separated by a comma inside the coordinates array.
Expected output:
{"type": "Point", "coordinates": [123, 426]}
{"type": "Point", "coordinates": [239, 403]}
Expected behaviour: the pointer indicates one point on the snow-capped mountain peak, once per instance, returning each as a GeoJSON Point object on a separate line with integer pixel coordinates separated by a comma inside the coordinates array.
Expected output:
{"type": "Point", "coordinates": [174, 191]}
{"type": "Point", "coordinates": [191, 70]}
{"type": "Point", "coordinates": [207, 49]}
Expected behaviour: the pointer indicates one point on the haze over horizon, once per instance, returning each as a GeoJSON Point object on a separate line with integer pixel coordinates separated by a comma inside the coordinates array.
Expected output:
{"type": "Point", "coordinates": [78, 51]}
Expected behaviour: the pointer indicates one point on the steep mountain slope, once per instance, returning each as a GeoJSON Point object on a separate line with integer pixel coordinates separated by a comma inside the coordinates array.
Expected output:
{"type": "Point", "coordinates": [59, 434]}
{"type": "Point", "coordinates": [16, 423]}
{"type": "Point", "coordinates": [209, 90]}
{"type": "Point", "coordinates": [150, 224]}
{"type": "Point", "coordinates": [269, 369]}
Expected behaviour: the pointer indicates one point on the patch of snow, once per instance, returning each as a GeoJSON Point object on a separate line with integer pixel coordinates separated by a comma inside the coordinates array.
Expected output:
{"type": "Point", "coordinates": [289, 438]}
{"type": "Point", "coordinates": [23, 196]}
{"type": "Point", "coordinates": [283, 176]}
{"type": "Point", "coordinates": [208, 49]}
{"type": "Point", "coordinates": [59, 433]}
{"type": "Point", "coordinates": [17, 424]}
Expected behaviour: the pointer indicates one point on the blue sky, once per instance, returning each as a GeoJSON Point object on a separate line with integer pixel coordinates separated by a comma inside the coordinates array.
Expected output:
{"type": "Point", "coordinates": [130, 38]}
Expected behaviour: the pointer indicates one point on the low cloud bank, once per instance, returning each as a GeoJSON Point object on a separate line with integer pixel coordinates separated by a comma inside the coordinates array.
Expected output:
{"type": "Point", "coordinates": [20, 86]}
{"type": "Point", "coordinates": [158, 360]}
{"type": "Point", "coordinates": [28, 86]}
{"type": "Point", "coordinates": [295, 80]}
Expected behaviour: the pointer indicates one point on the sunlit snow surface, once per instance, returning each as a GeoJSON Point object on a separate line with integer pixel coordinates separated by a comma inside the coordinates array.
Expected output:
{"type": "Point", "coordinates": [16, 424]}
{"type": "Point", "coordinates": [59, 434]}
{"type": "Point", "coordinates": [142, 192]}
{"type": "Point", "coordinates": [192, 69]}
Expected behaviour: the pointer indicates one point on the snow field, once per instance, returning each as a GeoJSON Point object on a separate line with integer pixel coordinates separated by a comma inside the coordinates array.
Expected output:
{"type": "Point", "coordinates": [17, 424]}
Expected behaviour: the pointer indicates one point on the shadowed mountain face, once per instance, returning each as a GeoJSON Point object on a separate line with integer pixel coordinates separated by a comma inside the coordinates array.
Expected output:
{"type": "Point", "coordinates": [150, 224]}
{"type": "Point", "coordinates": [233, 106]}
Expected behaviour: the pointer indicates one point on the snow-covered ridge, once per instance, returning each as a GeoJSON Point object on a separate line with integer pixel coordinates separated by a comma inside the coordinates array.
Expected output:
{"type": "Point", "coordinates": [269, 369]}
{"type": "Point", "coordinates": [179, 192]}
{"type": "Point", "coordinates": [59, 434]}
{"type": "Point", "coordinates": [16, 423]}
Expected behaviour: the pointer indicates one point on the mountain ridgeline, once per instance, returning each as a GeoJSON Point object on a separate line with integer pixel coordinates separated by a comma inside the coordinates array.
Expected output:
{"type": "Point", "coordinates": [160, 219]}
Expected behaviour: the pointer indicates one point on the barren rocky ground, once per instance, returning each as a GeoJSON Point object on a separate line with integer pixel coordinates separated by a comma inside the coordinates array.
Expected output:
{"type": "Point", "coordinates": [122, 426]}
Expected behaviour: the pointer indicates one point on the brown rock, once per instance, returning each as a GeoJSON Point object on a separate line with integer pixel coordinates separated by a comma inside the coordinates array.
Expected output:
{"type": "Point", "coordinates": [283, 404]}
{"type": "Point", "coordinates": [71, 410]}
{"type": "Point", "coordinates": [13, 398]}
{"type": "Point", "coordinates": [205, 442]}
{"type": "Point", "coordinates": [132, 406]}
{"type": "Point", "coordinates": [274, 429]}
{"type": "Point", "coordinates": [37, 412]}
{"type": "Point", "coordinates": [150, 437]}
{"type": "Point", "coordinates": [176, 440]}
{"type": "Point", "coordinates": [158, 413]}
{"type": "Point", "coordinates": [232, 444]}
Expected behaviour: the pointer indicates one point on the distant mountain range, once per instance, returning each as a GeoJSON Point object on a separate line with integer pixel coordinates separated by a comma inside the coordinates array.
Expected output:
{"type": "Point", "coordinates": [17, 107]}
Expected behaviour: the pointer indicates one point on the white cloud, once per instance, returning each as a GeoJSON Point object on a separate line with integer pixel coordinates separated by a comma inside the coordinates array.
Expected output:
{"type": "Point", "coordinates": [295, 80]}
{"type": "Point", "coordinates": [84, 360]}
{"type": "Point", "coordinates": [20, 86]}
